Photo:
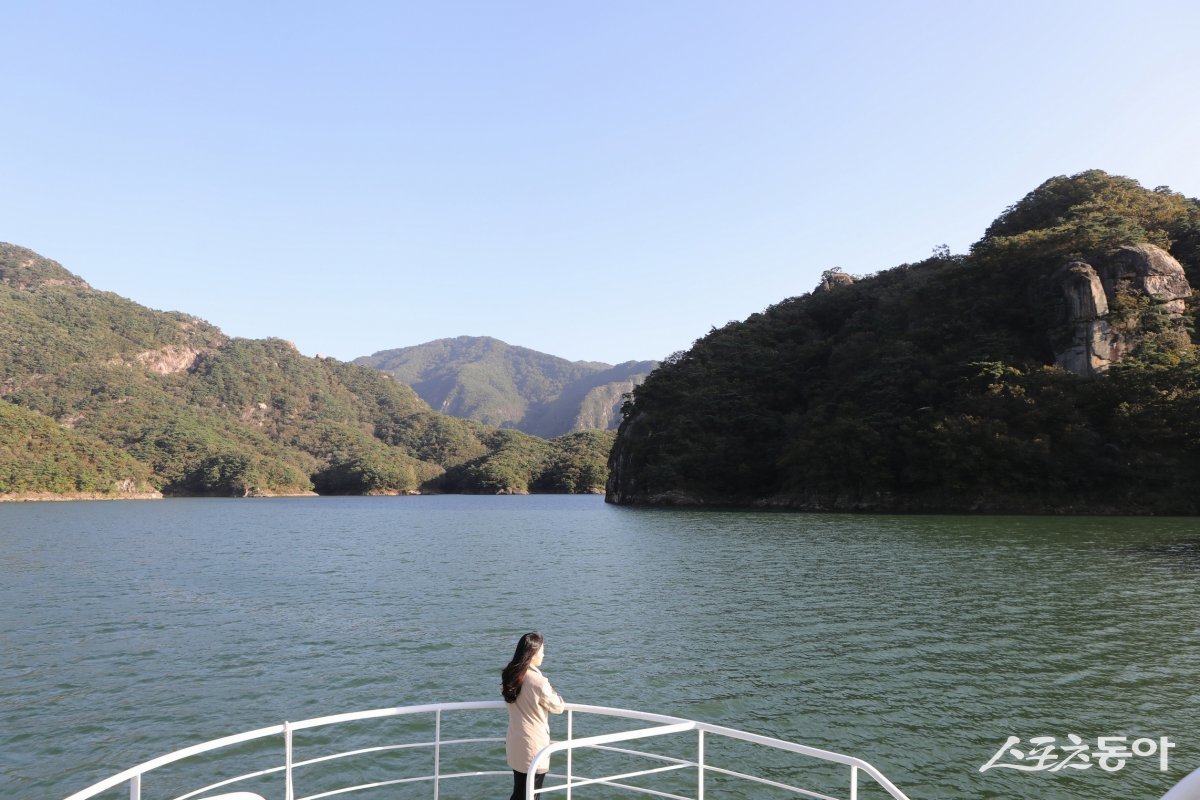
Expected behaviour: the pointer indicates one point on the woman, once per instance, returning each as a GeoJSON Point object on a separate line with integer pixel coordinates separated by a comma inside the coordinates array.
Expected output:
{"type": "Point", "coordinates": [530, 698]}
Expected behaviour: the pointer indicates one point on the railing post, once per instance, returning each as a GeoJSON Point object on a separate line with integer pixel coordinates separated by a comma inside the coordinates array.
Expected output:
{"type": "Point", "coordinates": [570, 750]}
{"type": "Point", "coordinates": [700, 765]}
{"type": "Point", "coordinates": [437, 752]}
{"type": "Point", "coordinates": [288, 790]}
{"type": "Point", "coordinates": [135, 787]}
{"type": "Point", "coordinates": [853, 782]}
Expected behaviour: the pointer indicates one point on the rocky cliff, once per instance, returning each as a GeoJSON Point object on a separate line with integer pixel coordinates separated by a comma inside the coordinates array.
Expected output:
{"type": "Point", "coordinates": [1104, 307]}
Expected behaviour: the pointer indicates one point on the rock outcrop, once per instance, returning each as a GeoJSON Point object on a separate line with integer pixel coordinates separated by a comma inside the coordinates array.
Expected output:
{"type": "Point", "coordinates": [600, 409]}
{"type": "Point", "coordinates": [832, 278]}
{"type": "Point", "coordinates": [170, 359]}
{"type": "Point", "coordinates": [1150, 270]}
{"type": "Point", "coordinates": [1096, 337]}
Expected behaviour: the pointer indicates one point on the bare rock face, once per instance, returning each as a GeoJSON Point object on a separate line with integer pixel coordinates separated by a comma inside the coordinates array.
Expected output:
{"type": "Point", "coordinates": [1150, 270]}
{"type": "Point", "coordinates": [1093, 345]}
{"type": "Point", "coordinates": [170, 359]}
{"type": "Point", "coordinates": [1087, 294]}
{"type": "Point", "coordinates": [832, 278]}
{"type": "Point", "coordinates": [601, 406]}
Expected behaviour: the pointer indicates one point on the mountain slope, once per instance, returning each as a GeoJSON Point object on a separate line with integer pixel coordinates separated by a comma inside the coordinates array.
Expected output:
{"type": "Point", "coordinates": [205, 414]}
{"type": "Point", "coordinates": [1052, 369]}
{"type": "Point", "coordinates": [498, 384]}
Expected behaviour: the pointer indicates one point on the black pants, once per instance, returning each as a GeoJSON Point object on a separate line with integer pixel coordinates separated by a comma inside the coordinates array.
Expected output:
{"type": "Point", "coordinates": [519, 779]}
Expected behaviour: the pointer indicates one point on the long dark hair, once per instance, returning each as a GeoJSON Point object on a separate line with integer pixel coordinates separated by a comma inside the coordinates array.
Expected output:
{"type": "Point", "coordinates": [514, 674]}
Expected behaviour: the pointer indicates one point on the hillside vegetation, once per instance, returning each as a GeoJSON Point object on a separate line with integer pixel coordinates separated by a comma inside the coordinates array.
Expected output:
{"type": "Point", "coordinates": [123, 399]}
{"type": "Point", "coordinates": [489, 381]}
{"type": "Point", "coordinates": [36, 456]}
{"type": "Point", "coordinates": [1037, 373]}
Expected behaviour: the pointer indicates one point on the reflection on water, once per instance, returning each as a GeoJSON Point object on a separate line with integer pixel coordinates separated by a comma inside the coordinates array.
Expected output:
{"type": "Point", "coordinates": [917, 643]}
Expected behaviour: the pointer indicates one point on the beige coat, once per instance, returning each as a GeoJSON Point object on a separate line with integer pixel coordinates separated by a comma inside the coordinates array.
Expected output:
{"type": "Point", "coordinates": [528, 723]}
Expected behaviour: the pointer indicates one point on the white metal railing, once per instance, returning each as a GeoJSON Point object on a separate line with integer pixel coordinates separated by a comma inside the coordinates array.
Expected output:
{"type": "Point", "coordinates": [664, 726]}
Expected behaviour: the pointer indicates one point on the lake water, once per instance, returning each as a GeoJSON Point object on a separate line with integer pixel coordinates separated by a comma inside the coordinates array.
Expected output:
{"type": "Point", "coordinates": [917, 643]}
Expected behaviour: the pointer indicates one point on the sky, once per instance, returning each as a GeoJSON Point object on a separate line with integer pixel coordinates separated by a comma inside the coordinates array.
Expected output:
{"type": "Point", "coordinates": [602, 181]}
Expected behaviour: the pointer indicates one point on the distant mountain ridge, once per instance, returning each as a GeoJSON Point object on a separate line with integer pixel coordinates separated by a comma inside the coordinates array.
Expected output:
{"type": "Point", "coordinates": [490, 381]}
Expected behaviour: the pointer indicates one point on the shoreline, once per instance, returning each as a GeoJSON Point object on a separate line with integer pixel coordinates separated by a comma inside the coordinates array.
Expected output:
{"type": "Point", "coordinates": [52, 497]}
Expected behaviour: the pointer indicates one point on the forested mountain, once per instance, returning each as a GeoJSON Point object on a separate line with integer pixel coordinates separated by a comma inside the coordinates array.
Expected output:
{"type": "Point", "coordinates": [1051, 369]}
{"type": "Point", "coordinates": [104, 396]}
{"type": "Point", "coordinates": [487, 380]}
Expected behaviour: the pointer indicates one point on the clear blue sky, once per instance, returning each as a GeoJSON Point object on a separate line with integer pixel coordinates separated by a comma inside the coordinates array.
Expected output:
{"type": "Point", "coordinates": [597, 180]}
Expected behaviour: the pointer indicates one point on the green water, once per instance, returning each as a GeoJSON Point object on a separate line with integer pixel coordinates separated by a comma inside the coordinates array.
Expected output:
{"type": "Point", "coordinates": [917, 643]}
